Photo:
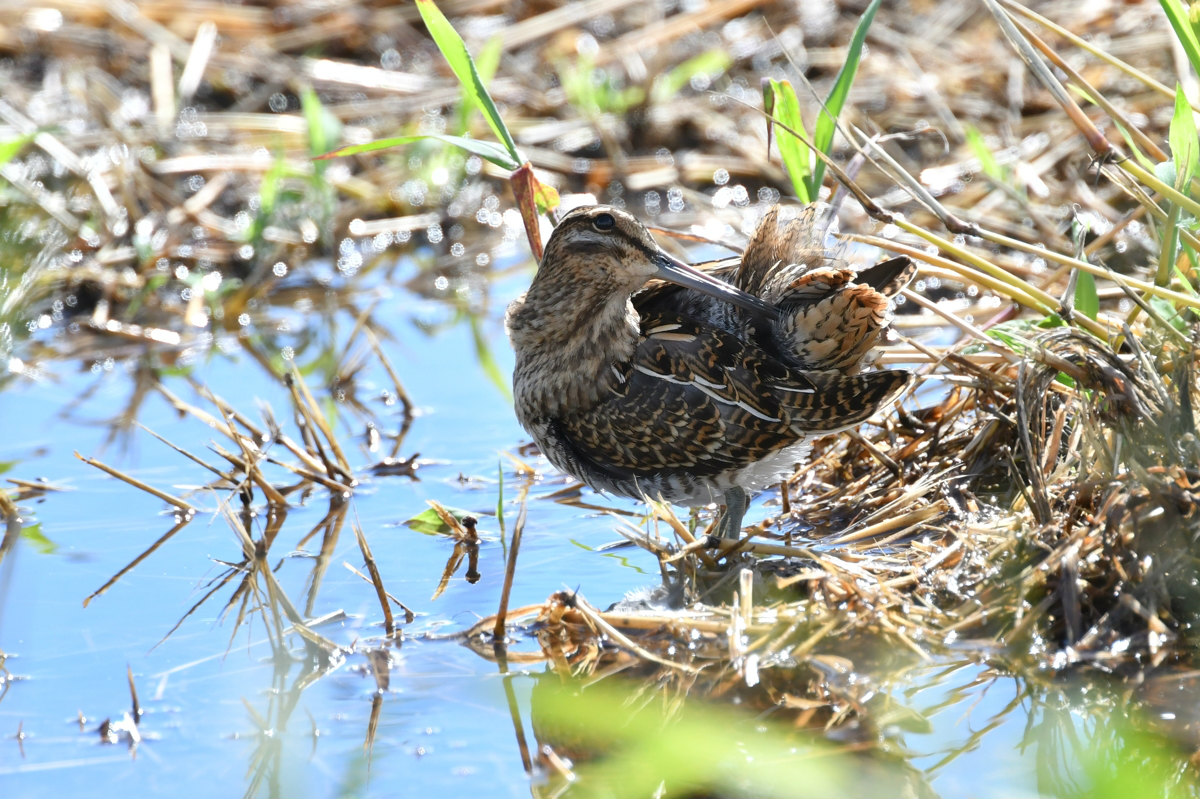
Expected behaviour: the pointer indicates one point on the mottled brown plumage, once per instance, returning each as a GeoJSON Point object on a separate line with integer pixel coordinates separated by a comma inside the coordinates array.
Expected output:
{"type": "Point", "coordinates": [700, 392]}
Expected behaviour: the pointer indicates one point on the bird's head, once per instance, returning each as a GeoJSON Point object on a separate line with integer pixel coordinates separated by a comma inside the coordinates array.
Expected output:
{"type": "Point", "coordinates": [602, 246]}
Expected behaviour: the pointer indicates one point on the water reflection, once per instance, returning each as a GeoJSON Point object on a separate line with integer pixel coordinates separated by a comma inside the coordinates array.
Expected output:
{"type": "Point", "coordinates": [962, 728]}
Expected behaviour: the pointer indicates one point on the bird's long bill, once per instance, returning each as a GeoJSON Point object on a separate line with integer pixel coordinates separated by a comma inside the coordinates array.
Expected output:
{"type": "Point", "coordinates": [678, 272]}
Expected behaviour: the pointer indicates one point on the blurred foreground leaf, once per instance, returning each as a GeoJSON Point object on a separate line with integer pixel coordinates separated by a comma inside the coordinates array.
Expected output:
{"type": "Point", "coordinates": [679, 748]}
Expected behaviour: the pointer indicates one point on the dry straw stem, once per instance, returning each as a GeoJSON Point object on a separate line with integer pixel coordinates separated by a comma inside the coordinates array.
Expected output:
{"type": "Point", "coordinates": [376, 580]}
{"type": "Point", "coordinates": [276, 600]}
{"type": "Point", "coordinates": [602, 627]}
{"type": "Point", "coordinates": [409, 613]}
{"type": "Point", "coordinates": [510, 567]}
{"type": "Point", "coordinates": [133, 481]}
{"type": "Point", "coordinates": [8, 508]}
{"type": "Point", "coordinates": [312, 413]}
{"type": "Point", "coordinates": [227, 478]}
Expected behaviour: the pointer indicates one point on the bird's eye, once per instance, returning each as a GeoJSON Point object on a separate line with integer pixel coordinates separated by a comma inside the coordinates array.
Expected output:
{"type": "Point", "coordinates": [604, 222]}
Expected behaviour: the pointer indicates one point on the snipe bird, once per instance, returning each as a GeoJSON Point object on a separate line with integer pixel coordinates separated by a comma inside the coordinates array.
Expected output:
{"type": "Point", "coordinates": [643, 376]}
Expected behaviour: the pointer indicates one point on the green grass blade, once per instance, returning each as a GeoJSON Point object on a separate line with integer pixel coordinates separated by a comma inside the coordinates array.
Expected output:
{"type": "Point", "coordinates": [1132, 145]}
{"type": "Point", "coordinates": [487, 150]}
{"type": "Point", "coordinates": [1168, 247]}
{"type": "Point", "coordinates": [1179, 171]}
{"type": "Point", "coordinates": [987, 159]}
{"type": "Point", "coordinates": [486, 64]}
{"type": "Point", "coordinates": [1185, 31]}
{"type": "Point", "coordinates": [1184, 141]}
{"type": "Point", "coordinates": [779, 100]}
{"type": "Point", "coordinates": [9, 149]}
{"type": "Point", "coordinates": [712, 62]}
{"type": "Point", "coordinates": [487, 362]}
{"type": "Point", "coordinates": [454, 49]}
{"type": "Point", "coordinates": [268, 197]}
{"type": "Point", "coordinates": [1087, 300]}
{"type": "Point", "coordinates": [827, 120]}
{"type": "Point", "coordinates": [324, 129]}
{"type": "Point", "coordinates": [500, 496]}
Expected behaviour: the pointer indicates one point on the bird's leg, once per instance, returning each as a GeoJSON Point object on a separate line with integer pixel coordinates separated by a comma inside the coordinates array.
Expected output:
{"type": "Point", "coordinates": [730, 525]}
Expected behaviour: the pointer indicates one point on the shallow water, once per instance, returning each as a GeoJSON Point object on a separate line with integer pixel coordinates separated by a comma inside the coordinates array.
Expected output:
{"type": "Point", "coordinates": [227, 716]}
{"type": "Point", "coordinates": [197, 686]}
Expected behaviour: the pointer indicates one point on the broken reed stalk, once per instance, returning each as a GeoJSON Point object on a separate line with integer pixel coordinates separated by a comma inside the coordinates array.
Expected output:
{"type": "Point", "coordinates": [406, 403]}
{"type": "Point", "coordinates": [389, 625]}
{"type": "Point", "coordinates": [510, 568]}
{"type": "Point", "coordinates": [315, 416]}
{"type": "Point", "coordinates": [409, 613]}
{"type": "Point", "coordinates": [133, 481]}
{"type": "Point", "coordinates": [226, 477]}
{"type": "Point", "coordinates": [8, 508]}
{"type": "Point", "coordinates": [601, 625]}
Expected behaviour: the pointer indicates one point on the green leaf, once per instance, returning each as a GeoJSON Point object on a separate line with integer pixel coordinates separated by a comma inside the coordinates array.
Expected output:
{"type": "Point", "coordinates": [1087, 301]}
{"type": "Point", "coordinates": [484, 149]}
{"type": "Point", "coordinates": [454, 49]}
{"type": "Point", "coordinates": [429, 523]}
{"type": "Point", "coordinates": [1168, 313]}
{"type": "Point", "coordinates": [593, 90]}
{"type": "Point", "coordinates": [1184, 141]}
{"type": "Point", "coordinates": [323, 127]}
{"type": "Point", "coordinates": [1018, 334]}
{"type": "Point", "coordinates": [827, 120]}
{"type": "Point", "coordinates": [712, 62]}
{"type": "Point", "coordinates": [33, 534]}
{"type": "Point", "coordinates": [677, 747]}
{"type": "Point", "coordinates": [1168, 247]}
{"type": "Point", "coordinates": [268, 197]}
{"type": "Point", "coordinates": [987, 159]}
{"type": "Point", "coordinates": [1132, 146]}
{"type": "Point", "coordinates": [1185, 29]}
{"type": "Point", "coordinates": [779, 98]}
{"type": "Point", "coordinates": [11, 148]}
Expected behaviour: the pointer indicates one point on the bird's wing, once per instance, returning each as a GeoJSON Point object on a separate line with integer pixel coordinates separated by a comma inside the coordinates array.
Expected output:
{"type": "Point", "coordinates": [704, 401]}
